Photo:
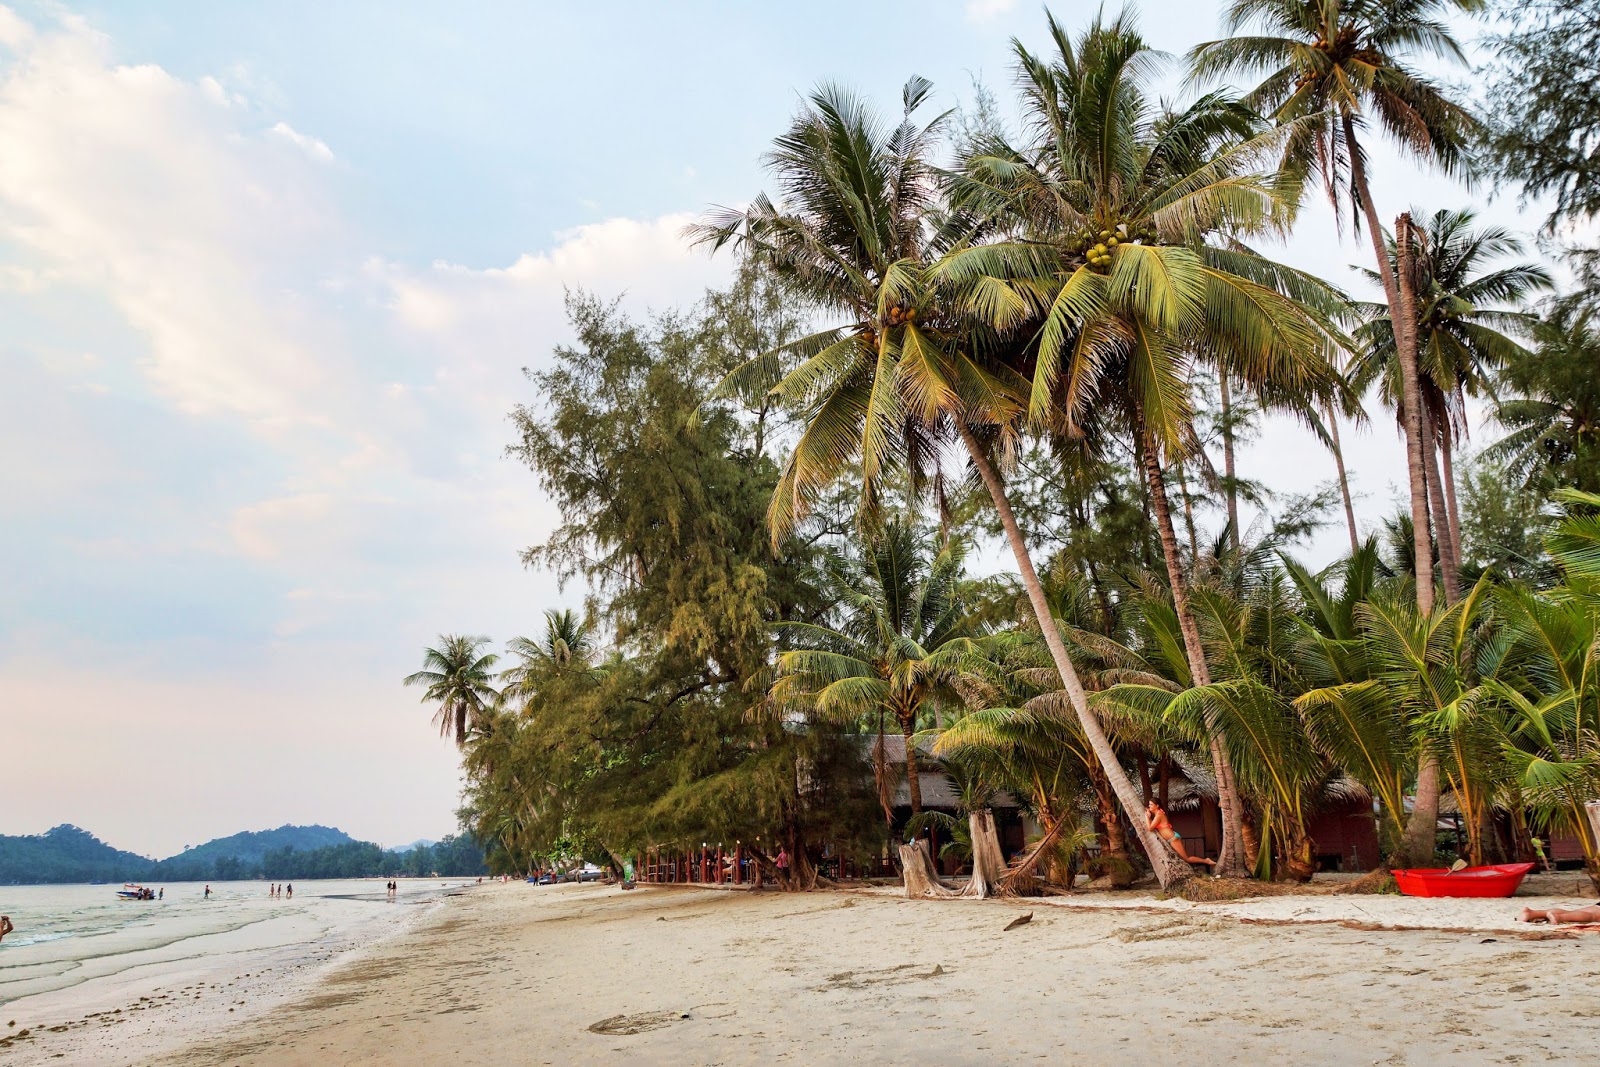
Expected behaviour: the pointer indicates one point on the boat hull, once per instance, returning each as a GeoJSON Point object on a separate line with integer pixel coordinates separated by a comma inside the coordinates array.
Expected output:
{"type": "Point", "coordinates": [1498, 880]}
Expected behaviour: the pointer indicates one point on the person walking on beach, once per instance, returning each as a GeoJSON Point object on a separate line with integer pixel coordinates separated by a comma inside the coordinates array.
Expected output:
{"type": "Point", "coordinates": [5, 926]}
{"type": "Point", "coordinates": [290, 888]}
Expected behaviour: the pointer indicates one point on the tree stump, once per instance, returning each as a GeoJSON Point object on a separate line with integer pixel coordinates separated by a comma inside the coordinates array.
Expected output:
{"type": "Point", "coordinates": [988, 864]}
{"type": "Point", "coordinates": [916, 868]}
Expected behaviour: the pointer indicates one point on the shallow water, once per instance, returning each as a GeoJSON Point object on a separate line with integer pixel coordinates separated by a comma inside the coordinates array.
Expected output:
{"type": "Point", "coordinates": [75, 935]}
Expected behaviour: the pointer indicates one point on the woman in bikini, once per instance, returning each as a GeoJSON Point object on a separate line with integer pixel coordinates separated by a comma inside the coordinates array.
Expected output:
{"type": "Point", "coordinates": [1157, 822]}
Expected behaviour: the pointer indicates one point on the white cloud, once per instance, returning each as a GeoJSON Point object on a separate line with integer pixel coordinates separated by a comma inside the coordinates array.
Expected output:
{"type": "Point", "coordinates": [988, 10]}
{"type": "Point", "coordinates": [310, 145]}
{"type": "Point", "coordinates": [158, 194]}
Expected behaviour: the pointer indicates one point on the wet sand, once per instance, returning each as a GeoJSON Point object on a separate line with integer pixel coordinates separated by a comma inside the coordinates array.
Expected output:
{"type": "Point", "coordinates": [684, 976]}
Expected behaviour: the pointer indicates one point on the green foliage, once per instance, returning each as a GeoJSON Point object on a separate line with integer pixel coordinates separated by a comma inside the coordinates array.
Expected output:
{"type": "Point", "coordinates": [1543, 99]}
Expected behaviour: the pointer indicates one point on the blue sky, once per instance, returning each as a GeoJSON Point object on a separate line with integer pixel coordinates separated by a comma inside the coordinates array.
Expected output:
{"type": "Point", "coordinates": [268, 275]}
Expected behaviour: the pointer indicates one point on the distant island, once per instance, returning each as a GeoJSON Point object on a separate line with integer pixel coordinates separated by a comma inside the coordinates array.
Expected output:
{"type": "Point", "coordinates": [70, 854]}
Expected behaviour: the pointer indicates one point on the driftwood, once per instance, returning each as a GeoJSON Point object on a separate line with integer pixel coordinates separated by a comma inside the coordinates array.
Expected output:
{"type": "Point", "coordinates": [921, 879]}
{"type": "Point", "coordinates": [1020, 920]}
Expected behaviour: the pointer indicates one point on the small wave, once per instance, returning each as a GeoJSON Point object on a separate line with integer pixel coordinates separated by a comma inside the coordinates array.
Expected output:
{"type": "Point", "coordinates": [36, 939]}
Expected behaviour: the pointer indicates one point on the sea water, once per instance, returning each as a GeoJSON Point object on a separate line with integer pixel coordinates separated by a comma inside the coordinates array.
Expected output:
{"type": "Point", "coordinates": [79, 949]}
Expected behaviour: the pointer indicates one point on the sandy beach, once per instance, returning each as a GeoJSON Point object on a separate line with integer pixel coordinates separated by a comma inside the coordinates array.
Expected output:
{"type": "Point", "coordinates": [593, 974]}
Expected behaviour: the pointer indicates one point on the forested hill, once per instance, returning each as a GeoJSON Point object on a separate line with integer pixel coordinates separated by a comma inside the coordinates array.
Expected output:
{"type": "Point", "coordinates": [248, 849]}
{"type": "Point", "coordinates": [69, 854]}
{"type": "Point", "coordinates": [65, 854]}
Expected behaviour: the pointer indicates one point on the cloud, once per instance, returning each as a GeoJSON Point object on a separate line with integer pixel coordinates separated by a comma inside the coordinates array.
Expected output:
{"type": "Point", "coordinates": [248, 439]}
{"type": "Point", "coordinates": [160, 196]}
{"type": "Point", "coordinates": [988, 10]}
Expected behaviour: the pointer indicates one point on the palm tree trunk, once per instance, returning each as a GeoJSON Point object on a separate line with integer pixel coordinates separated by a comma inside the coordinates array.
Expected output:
{"type": "Point", "coordinates": [1344, 480]}
{"type": "Point", "coordinates": [1417, 844]}
{"type": "Point", "coordinates": [908, 726]}
{"type": "Point", "coordinates": [1447, 457]}
{"type": "Point", "coordinates": [1403, 314]}
{"type": "Point", "coordinates": [1188, 518]}
{"type": "Point", "coordinates": [1170, 870]}
{"type": "Point", "coordinates": [1229, 474]}
{"type": "Point", "coordinates": [1449, 565]}
{"type": "Point", "coordinates": [1231, 862]}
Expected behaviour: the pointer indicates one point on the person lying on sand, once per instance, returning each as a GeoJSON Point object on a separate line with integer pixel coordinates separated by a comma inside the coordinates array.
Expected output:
{"type": "Point", "coordinates": [1587, 914]}
{"type": "Point", "coordinates": [5, 926]}
{"type": "Point", "coordinates": [1157, 821]}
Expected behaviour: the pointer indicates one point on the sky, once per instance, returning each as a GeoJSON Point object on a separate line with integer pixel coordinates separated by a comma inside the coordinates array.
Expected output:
{"type": "Point", "coordinates": [269, 277]}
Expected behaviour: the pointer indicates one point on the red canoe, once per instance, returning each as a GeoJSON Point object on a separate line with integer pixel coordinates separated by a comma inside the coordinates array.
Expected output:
{"type": "Point", "coordinates": [1500, 880]}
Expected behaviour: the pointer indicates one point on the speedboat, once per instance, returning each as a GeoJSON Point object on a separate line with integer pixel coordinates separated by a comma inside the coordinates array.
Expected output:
{"type": "Point", "coordinates": [130, 891]}
{"type": "Point", "coordinates": [1496, 880]}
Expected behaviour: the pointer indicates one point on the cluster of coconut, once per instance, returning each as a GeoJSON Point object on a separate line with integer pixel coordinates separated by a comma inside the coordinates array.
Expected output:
{"type": "Point", "coordinates": [898, 315]}
{"type": "Point", "coordinates": [1105, 242]}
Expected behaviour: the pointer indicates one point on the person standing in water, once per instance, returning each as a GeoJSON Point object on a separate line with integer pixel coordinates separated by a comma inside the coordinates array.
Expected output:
{"type": "Point", "coordinates": [161, 894]}
{"type": "Point", "coordinates": [289, 890]}
{"type": "Point", "coordinates": [208, 893]}
{"type": "Point", "coordinates": [5, 926]}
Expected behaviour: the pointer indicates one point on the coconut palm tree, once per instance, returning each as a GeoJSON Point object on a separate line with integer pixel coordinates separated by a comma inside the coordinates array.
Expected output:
{"type": "Point", "coordinates": [458, 676]}
{"type": "Point", "coordinates": [1331, 67]}
{"type": "Point", "coordinates": [1553, 427]}
{"type": "Point", "coordinates": [1463, 341]}
{"type": "Point", "coordinates": [858, 232]}
{"type": "Point", "coordinates": [1129, 219]}
{"type": "Point", "coordinates": [567, 645]}
{"type": "Point", "coordinates": [901, 640]}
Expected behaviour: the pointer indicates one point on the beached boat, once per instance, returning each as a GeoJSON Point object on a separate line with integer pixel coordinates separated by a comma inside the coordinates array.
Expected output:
{"type": "Point", "coordinates": [130, 891]}
{"type": "Point", "coordinates": [1498, 880]}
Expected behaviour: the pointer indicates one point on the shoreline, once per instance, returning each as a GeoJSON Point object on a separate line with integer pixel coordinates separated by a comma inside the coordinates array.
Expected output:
{"type": "Point", "coordinates": [684, 975]}
{"type": "Point", "coordinates": [148, 1008]}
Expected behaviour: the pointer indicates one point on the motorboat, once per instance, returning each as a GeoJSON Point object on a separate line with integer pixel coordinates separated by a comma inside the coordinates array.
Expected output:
{"type": "Point", "coordinates": [1496, 880]}
{"type": "Point", "coordinates": [130, 891]}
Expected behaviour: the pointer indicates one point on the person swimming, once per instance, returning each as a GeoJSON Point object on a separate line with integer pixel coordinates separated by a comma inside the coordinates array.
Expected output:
{"type": "Point", "coordinates": [1156, 820]}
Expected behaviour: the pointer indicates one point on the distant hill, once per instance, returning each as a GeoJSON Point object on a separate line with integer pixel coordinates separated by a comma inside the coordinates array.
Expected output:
{"type": "Point", "coordinates": [65, 854]}
{"type": "Point", "coordinates": [68, 854]}
{"type": "Point", "coordinates": [421, 842]}
{"type": "Point", "coordinates": [251, 845]}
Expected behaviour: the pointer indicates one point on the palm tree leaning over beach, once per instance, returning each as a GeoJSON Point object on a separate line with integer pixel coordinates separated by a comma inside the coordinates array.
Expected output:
{"type": "Point", "coordinates": [1332, 66]}
{"type": "Point", "coordinates": [1128, 217]}
{"type": "Point", "coordinates": [858, 231]}
{"type": "Point", "coordinates": [458, 676]}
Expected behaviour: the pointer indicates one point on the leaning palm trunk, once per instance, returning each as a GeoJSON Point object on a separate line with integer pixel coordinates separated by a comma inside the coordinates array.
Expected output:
{"type": "Point", "coordinates": [1022, 871]}
{"type": "Point", "coordinates": [988, 863]}
{"type": "Point", "coordinates": [1170, 871]}
{"type": "Point", "coordinates": [1233, 862]}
